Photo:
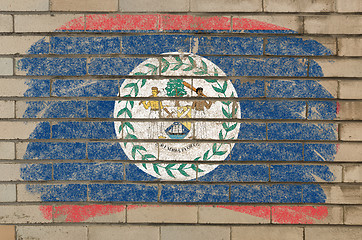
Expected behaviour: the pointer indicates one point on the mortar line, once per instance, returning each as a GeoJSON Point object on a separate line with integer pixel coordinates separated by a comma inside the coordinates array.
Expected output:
{"type": "Point", "coordinates": [87, 234]}
{"type": "Point", "coordinates": [194, 13]}
{"type": "Point", "coordinates": [306, 110]}
{"type": "Point", "coordinates": [15, 152]}
{"type": "Point", "coordinates": [13, 67]}
{"type": "Point", "coordinates": [13, 23]}
{"type": "Point", "coordinates": [231, 24]}
{"type": "Point", "coordinates": [14, 108]}
{"type": "Point", "coordinates": [230, 229]}
{"type": "Point", "coordinates": [234, 99]}
{"type": "Point", "coordinates": [16, 231]}
{"type": "Point", "coordinates": [339, 90]}
{"type": "Point", "coordinates": [344, 214]}
{"type": "Point", "coordinates": [84, 203]}
{"type": "Point", "coordinates": [159, 232]}
{"type": "Point", "coordinates": [270, 214]}
{"type": "Point", "coordinates": [343, 173]}
{"type": "Point", "coordinates": [304, 233]}
{"type": "Point", "coordinates": [229, 162]}
{"type": "Point", "coordinates": [126, 213]}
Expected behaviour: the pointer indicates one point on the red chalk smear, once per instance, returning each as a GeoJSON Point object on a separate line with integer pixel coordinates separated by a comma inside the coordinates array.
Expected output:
{"type": "Point", "coordinates": [258, 211]}
{"type": "Point", "coordinates": [187, 22]}
{"type": "Point", "coordinates": [251, 24]}
{"type": "Point", "coordinates": [298, 215]}
{"type": "Point", "coordinates": [121, 22]}
{"type": "Point", "coordinates": [75, 24]}
{"type": "Point", "coordinates": [47, 212]}
{"type": "Point", "coordinates": [75, 213]}
{"type": "Point", "coordinates": [130, 207]}
{"type": "Point", "coordinates": [165, 22]}
{"type": "Point", "coordinates": [280, 214]}
{"type": "Point", "coordinates": [338, 107]}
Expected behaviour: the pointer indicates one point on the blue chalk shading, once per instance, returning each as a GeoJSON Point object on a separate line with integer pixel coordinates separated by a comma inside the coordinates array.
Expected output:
{"type": "Point", "coordinates": [250, 193]}
{"type": "Point", "coordinates": [85, 88]}
{"type": "Point", "coordinates": [319, 152]}
{"type": "Point", "coordinates": [155, 44]}
{"type": "Point", "coordinates": [228, 45]}
{"type": "Point", "coordinates": [123, 192]}
{"type": "Point", "coordinates": [72, 130]}
{"type": "Point", "coordinates": [252, 131]}
{"type": "Point", "coordinates": [133, 173]}
{"type": "Point", "coordinates": [113, 66]}
{"type": "Point", "coordinates": [272, 109]}
{"type": "Point", "coordinates": [282, 193]}
{"type": "Point", "coordinates": [296, 89]}
{"type": "Point", "coordinates": [41, 131]}
{"type": "Point", "coordinates": [194, 193]}
{"type": "Point", "coordinates": [313, 193]}
{"type": "Point", "coordinates": [288, 67]}
{"type": "Point", "coordinates": [302, 131]}
{"type": "Point", "coordinates": [37, 88]}
{"type": "Point", "coordinates": [56, 109]}
{"type": "Point", "coordinates": [36, 172]}
{"type": "Point", "coordinates": [237, 173]}
{"type": "Point", "coordinates": [268, 31]}
{"type": "Point", "coordinates": [40, 47]}
{"type": "Point", "coordinates": [300, 173]}
{"type": "Point", "coordinates": [53, 66]}
{"type": "Point", "coordinates": [314, 69]}
{"type": "Point", "coordinates": [100, 109]}
{"type": "Point", "coordinates": [60, 193]}
{"type": "Point", "coordinates": [51, 150]}
{"type": "Point", "coordinates": [295, 47]}
{"type": "Point", "coordinates": [224, 63]}
{"type": "Point", "coordinates": [232, 66]}
{"type": "Point", "coordinates": [322, 110]}
{"type": "Point", "coordinates": [88, 171]}
{"type": "Point", "coordinates": [252, 89]}
{"type": "Point", "coordinates": [105, 151]}
{"type": "Point", "coordinates": [85, 45]}
{"type": "Point", "coordinates": [267, 152]}
{"type": "Point", "coordinates": [278, 193]}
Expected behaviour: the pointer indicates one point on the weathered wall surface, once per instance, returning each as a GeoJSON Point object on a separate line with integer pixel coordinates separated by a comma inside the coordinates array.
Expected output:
{"type": "Point", "coordinates": [106, 134]}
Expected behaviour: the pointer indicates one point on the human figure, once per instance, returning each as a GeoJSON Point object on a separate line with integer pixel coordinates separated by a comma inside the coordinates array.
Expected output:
{"type": "Point", "coordinates": [155, 106]}
{"type": "Point", "coordinates": [199, 106]}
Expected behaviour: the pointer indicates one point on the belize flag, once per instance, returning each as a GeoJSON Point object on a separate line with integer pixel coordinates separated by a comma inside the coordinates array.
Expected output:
{"type": "Point", "coordinates": [158, 109]}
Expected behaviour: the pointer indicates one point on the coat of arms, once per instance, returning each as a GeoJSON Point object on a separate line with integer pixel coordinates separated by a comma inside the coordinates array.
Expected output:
{"type": "Point", "coordinates": [164, 114]}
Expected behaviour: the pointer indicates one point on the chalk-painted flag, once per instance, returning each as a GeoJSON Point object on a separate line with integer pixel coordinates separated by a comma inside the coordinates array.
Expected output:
{"type": "Point", "coordinates": [254, 146]}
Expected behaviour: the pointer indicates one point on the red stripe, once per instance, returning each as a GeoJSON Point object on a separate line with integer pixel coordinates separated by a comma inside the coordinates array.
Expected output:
{"type": "Point", "coordinates": [165, 22]}
{"type": "Point", "coordinates": [280, 214]}
{"type": "Point", "coordinates": [75, 24]}
{"type": "Point", "coordinates": [121, 22]}
{"type": "Point", "coordinates": [298, 214]}
{"type": "Point", "coordinates": [187, 22]}
{"type": "Point", "coordinates": [251, 24]}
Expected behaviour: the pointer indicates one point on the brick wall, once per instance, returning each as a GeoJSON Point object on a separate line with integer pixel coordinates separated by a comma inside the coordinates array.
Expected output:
{"type": "Point", "coordinates": [275, 155]}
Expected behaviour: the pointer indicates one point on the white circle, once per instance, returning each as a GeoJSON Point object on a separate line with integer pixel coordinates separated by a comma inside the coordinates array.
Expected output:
{"type": "Point", "coordinates": [201, 72]}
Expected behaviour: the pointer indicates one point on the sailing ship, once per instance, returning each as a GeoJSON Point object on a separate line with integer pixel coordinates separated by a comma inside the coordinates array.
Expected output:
{"type": "Point", "coordinates": [177, 131]}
